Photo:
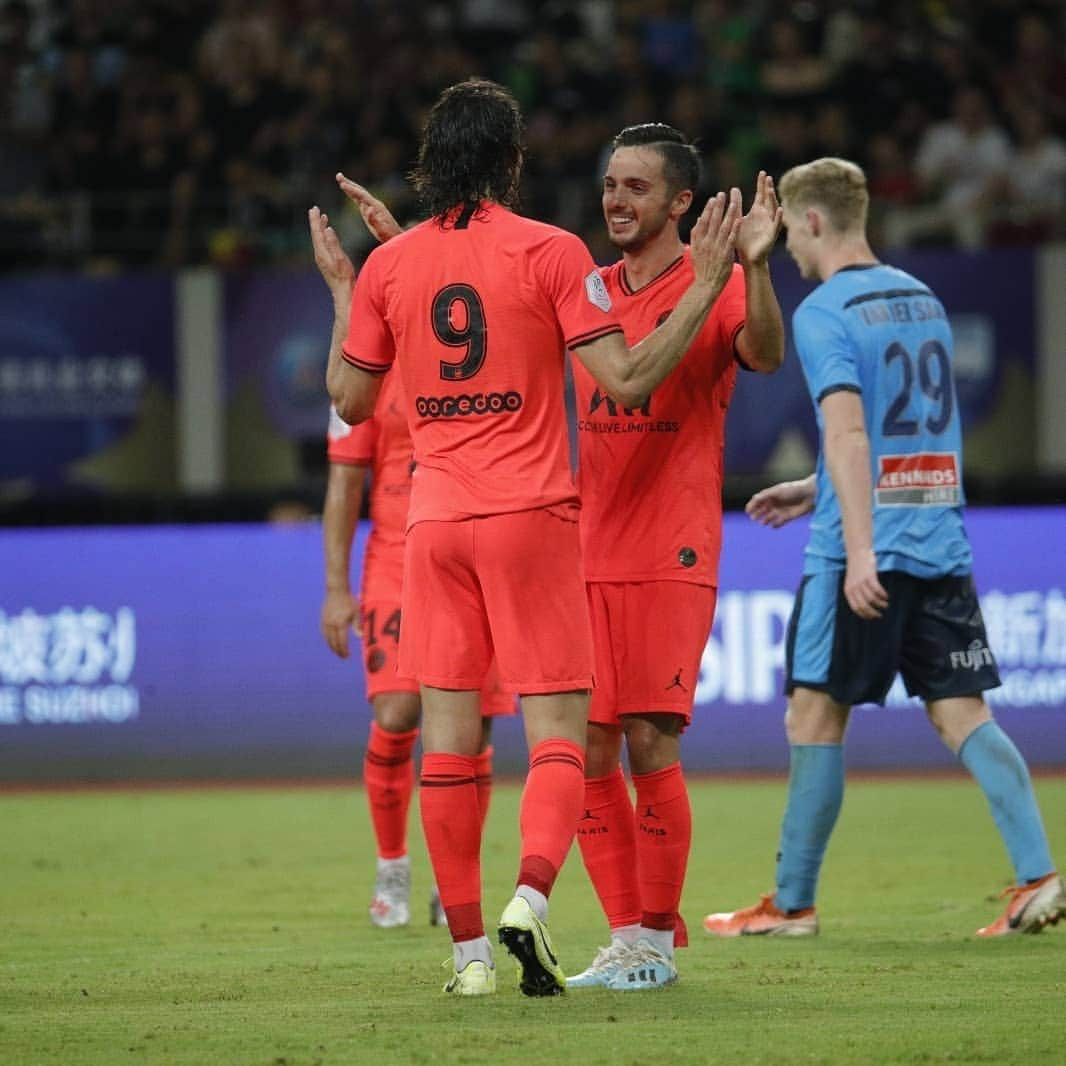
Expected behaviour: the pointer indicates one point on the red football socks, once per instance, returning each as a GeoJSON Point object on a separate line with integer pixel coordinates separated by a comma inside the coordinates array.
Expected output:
{"type": "Point", "coordinates": [607, 837]}
{"type": "Point", "coordinates": [552, 802]}
{"type": "Point", "coordinates": [451, 822]}
{"type": "Point", "coordinates": [483, 773]}
{"type": "Point", "coordinates": [664, 836]}
{"type": "Point", "coordinates": [389, 779]}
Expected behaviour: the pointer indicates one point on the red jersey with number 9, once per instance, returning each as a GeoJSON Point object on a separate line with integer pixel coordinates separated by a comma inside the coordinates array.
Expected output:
{"type": "Point", "coordinates": [478, 312]}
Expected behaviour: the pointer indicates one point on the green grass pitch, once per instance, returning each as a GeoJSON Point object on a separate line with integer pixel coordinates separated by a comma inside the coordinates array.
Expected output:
{"type": "Point", "coordinates": [225, 927]}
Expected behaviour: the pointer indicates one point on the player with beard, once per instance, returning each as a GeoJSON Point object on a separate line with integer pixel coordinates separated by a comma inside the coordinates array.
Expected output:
{"type": "Point", "coordinates": [651, 527]}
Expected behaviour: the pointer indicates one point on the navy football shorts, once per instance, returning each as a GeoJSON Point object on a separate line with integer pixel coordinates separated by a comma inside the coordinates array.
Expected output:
{"type": "Point", "coordinates": [932, 633]}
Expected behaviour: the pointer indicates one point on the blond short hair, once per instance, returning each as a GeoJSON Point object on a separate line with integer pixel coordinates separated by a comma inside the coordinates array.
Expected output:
{"type": "Point", "coordinates": [837, 186]}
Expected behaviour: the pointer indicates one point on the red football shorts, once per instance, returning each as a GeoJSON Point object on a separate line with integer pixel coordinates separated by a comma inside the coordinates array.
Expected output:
{"type": "Point", "coordinates": [494, 701]}
{"type": "Point", "coordinates": [380, 628]}
{"type": "Point", "coordinates": [510, 584]}
{"type": "Point", "coordinates": [649, 638]}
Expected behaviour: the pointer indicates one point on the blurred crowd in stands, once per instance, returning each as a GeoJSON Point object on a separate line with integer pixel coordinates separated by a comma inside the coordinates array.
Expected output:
{"type": "Point", "coordinates": [138, 133]}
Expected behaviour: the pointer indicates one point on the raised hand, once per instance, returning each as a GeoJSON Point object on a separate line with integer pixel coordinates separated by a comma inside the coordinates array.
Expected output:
{"type": "Point", "coordinates": [331, 259]}
{"type": "Point", "coordinates": [375, 214]}
{"type": "Point", "coordinates": [779, 504]}
{"type": "Point", "coordinates": [714, 238]}
{"type": "Point", "coordinates": [760, 226]}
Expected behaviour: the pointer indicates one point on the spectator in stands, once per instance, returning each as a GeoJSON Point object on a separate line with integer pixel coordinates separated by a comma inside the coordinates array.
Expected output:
{"type": "Point", "coordinates": [1036, 71]}
{"type": "Point", "coordinates": [1033, 189]}
{"type": "Point", "coordinates": [252, 94]}
{"type": "Point", "coordinates": [670, 44]}
{"type": "Point", "coordinates": [960, 164]}
{"type": "Point", "coordinates": [878, 84]}
{"type": "Point", "coordinates": [792, 71]}
{"type": "Point", "coordinates": [891, 181]}
{"type": "Point", "coordinates": [833, 133]}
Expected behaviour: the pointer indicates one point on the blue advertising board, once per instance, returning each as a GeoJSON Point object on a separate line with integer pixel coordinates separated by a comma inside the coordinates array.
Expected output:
{"type": "Point", "coordinates": [194, 652]}
{"type": "Point", "coordinates": [87, 370]}
{"type": "Point", "coordinates": [991, 301]}
{"type": "Point", "coordinates": [277, 328]}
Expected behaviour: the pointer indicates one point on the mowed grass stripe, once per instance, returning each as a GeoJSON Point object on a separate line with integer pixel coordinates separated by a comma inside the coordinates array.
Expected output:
{"type": "Point", "coordinates": [229, 926]}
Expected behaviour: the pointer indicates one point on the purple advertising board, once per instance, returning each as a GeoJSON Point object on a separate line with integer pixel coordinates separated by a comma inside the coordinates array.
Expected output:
{"type": "Point", "coordinates": [740, 706]}
{"type": "Point", "coordinates": [194, 652]}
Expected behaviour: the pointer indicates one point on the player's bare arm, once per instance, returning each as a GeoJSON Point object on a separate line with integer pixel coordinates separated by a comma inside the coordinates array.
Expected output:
{"type": "Point", "coordinates": [761, 342]}
{"type": "Point", "coordinates": [377, 217]}
{"type": "Point", "coordinates": [630, 374]}
{"type": "Point", "coordinates": [779, 504]}
{"type": "Point", "coordinates": [340, 609]}
{"type": "Point", "coordinates": [847, 456]}
{"type": "Point", "coordinates": [615, 368]}
{"type": "Point", "coordinates": [626, 379]}
{"type": "Point", "coordinates": [353, 392]}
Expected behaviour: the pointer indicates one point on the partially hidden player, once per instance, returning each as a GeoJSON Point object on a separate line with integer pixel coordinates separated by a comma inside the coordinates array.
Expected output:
{"type": "Point", "coordinates": [380, 450]}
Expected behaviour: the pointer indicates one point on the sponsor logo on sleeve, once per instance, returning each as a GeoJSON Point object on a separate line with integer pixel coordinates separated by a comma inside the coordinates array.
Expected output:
{"type": "Point", "coordinates": [925, 479]}
{"type": "Point", "coordinates": [596, 291]}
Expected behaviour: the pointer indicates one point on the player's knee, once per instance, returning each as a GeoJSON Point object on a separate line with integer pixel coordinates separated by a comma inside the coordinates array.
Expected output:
{"type": "Point", "coordinates": [397, 712]}
{"type": "Point", "coordinates": [653, 742]}
{"type": "Point", "coordinates": [813, 718]}
{"type": "Point", "coordinates": [796, 728]}
{"type": "Point", "coordinates": [603, 750]}
{"type": "Point", "coordinates": [955, 719]}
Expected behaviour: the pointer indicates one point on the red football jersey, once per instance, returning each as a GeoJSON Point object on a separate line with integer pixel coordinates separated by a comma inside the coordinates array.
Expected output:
{"type": "Point", "coordinates": [651, 477]}
{"type": "Point", "coordinates": [383, 443]}
{"type": "Point", "coordinates": [478, 314]}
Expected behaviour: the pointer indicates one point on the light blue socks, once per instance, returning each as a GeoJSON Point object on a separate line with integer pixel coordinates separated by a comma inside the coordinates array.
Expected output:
{"type": "Point", "coordinates": [998, 767]}
{"type": "Point", "coordinates": [815, 793]}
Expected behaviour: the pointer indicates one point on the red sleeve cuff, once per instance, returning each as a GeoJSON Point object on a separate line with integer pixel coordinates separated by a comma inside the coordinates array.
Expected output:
{"type": "Point", "coordinates": [593, 335]}
{"type": "Point", "coordinates": [362, 364]}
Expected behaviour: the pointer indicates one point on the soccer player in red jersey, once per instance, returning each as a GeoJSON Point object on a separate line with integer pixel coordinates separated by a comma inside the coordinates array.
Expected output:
{"type": "Point", "coordinates": [381, 446]}
{"type": "Point", "coordinates": [650, 478]}
{"type": "Point", "coordinates": [478, 306]}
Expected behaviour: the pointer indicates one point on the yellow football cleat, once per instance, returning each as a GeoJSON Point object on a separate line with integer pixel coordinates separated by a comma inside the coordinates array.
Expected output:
{"type": "Point", "coordinates": [526, 937]}
{"type": "Point", "coordinates": [474, 979]}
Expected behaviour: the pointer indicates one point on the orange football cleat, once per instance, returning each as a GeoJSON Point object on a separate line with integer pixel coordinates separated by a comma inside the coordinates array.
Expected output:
{"type": "Point", "coordinates": [1031, 907]}
{"type": "Point", "coordinates": [764, 919]}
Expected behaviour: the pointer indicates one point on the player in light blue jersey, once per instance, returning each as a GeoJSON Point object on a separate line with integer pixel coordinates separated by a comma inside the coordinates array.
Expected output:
{"type": "Point", "coordinates": [880, 335]}
{"type": "Point", "coordinates": [886, 581]}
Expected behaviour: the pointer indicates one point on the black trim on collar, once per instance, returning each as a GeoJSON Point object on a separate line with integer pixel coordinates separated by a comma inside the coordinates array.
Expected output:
{"type": "Point", "coordinates": [629, 291]}
{"type": "Point", "coordinates": [888, 294]}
